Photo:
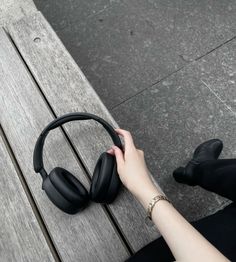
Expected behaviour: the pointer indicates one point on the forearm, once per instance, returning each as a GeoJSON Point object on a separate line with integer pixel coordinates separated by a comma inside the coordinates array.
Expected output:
{"type": "Point", "coordinates": [185, 242]}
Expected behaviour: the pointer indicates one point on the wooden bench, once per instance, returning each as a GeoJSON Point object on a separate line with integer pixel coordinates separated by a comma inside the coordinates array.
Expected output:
{"type": "Point", "coordinates": [39, 81]}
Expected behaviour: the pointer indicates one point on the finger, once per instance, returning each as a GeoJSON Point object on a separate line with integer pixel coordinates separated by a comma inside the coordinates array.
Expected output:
{"type": "Point", "coordinates": [127, 138]}
{"type": "Point", "coordinates": [111, 151]}
{"type": "Point", "coordinates": [140, 152]}
{"type": "Point", "coordinates": [119, 156]}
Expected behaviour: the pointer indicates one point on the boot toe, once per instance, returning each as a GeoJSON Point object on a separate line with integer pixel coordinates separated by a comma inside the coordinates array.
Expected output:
{"type": "Point", "coordinates": [178, 174]}
{"type": "Point", "coordinates": [182, 177]}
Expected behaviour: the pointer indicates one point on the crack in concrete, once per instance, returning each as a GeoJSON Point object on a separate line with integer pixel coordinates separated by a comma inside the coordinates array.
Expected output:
{"type": "Point", "coordinates": [218, 97]}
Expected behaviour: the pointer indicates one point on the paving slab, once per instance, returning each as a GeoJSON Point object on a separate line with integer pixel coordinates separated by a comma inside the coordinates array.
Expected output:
{"type": "Point", "coordinates": [168, 121]}
{"type": "Point", "coordinates": [124, 47]}
{"type": "Point", "coordinates": [190, 28]}
{"type": "Point", "coordinates": [115, 48]}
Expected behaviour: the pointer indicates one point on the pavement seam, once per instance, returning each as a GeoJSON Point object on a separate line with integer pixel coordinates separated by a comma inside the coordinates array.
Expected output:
{"type": "Point", "coordinates": [184, 66]}
{"type": "Point", "coordinates": [217, 47]}
{"type": "Point", "coordinates": [141, 91]}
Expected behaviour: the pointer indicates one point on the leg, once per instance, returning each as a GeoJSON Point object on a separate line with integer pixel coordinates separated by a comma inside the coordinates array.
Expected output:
{"type": "Point", "coordinates": [218, 176]}
{"type": "Point", "coordinates": [205, 170]}
{"type": "Point", "coordinates": [219, 229]}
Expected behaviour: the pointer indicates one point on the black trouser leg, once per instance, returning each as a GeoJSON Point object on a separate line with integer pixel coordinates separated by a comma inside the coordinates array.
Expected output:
{"type": "Point", "coordinates": [218, 176]}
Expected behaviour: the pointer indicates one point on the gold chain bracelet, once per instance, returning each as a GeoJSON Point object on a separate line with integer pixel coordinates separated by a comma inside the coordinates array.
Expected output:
{"type": "Point", "coordinates": [153, 203]}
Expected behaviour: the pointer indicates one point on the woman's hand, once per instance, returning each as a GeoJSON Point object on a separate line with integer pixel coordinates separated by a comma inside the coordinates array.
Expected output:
{"type": "Point", "coordinates": [132, 169]}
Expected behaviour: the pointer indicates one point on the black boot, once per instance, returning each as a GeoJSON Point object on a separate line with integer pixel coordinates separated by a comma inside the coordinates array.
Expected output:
{"type": "Point", "coordinates": [209, 150]}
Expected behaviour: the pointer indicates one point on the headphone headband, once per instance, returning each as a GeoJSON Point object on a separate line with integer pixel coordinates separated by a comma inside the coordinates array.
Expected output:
{"type": "Point", "coordinates": [38, 150]}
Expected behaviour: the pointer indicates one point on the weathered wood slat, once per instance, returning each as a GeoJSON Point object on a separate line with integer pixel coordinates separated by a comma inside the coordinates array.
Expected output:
{"type": "Point", "coordinates": [67, 90]}
{"type": "Point", "coordinates": [87, 236]}
{"type": "Point", "coordinates": [21, 237]}
{"type": "Point", "coordinates": [13, 10]}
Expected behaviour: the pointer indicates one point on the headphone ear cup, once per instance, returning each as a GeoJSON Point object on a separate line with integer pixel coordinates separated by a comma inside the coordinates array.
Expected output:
{"type": "Point", "coordinates": [115, 185]}
{"type": "Point", "coordinates": [65, 191]}
{"type": "Point", "coordinates": [105, 181]}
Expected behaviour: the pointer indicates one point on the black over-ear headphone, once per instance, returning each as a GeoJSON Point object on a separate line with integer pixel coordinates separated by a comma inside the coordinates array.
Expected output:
{"type": "Point", "coordinates": [64, 189]}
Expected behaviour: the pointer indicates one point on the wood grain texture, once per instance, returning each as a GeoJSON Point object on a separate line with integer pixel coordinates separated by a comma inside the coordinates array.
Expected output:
{"type": "Point", "coordinates": [87, 236]}
{"type": "Point", "coordinates": [13, 10]}
{"type": "Point", "coordinates": [67, 90]}
{"type": "Point", "coordinates": [21, 238]}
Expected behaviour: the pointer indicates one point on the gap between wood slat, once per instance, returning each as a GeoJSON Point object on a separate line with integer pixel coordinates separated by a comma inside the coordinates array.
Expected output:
{"type": "Point", "coordinates": [30, 197]}
{"type": "Point", "coordinates": [106, 208]}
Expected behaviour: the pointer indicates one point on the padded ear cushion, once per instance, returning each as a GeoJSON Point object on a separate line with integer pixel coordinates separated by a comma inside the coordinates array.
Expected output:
{"type": "Point", "coordinates": [114, 187]}
{"type": "Point", "coordinates": [105, 181]}
{"type": "Point", "coordinates": [65, 191]}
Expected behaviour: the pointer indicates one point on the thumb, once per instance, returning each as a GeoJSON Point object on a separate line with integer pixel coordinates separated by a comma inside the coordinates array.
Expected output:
{"type": "Point", "coordinates": [119, 156]}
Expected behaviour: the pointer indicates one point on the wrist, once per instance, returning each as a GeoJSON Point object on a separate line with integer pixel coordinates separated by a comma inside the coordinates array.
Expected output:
{"type": "Point", "coordinates": [146, 194]}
